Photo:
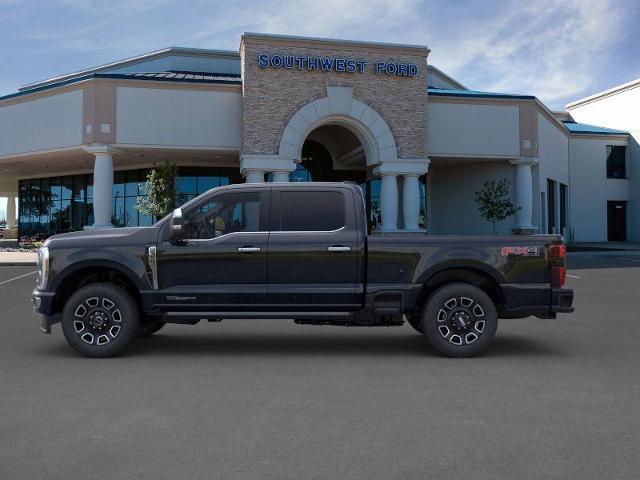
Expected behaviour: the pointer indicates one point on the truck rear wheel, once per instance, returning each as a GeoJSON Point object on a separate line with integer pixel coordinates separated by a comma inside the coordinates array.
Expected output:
{"type": "Point", "coordinates": [99, 320]}
{"type": "Point", "coordinates": [459, 320]}
{"type": "Point", "coordinates": [415, 320]}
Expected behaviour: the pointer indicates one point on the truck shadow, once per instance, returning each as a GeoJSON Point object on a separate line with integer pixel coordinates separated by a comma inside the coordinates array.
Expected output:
{"type": "Point", "coordinates": [410, 345]}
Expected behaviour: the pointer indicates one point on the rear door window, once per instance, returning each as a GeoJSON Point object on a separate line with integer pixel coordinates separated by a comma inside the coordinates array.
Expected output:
{"type": "Point", "coordinates": [311, 211]}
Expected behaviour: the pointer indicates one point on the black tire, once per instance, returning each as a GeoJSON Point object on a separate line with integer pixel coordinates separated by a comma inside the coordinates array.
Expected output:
{"type": "Point", "coordinates": [459, 320]}
{"type": "Point", "coordinates": [146, 329]}
{"type": "Point", "coordinates": [415, 321]}
{"type": "Point", "coordinates": [99, 320]}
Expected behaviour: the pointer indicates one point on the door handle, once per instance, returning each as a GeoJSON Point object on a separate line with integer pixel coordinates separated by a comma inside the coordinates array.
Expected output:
{"type": "Point", "coordinates": [338, 248]}
{"type": "Point", "coordinates": [248, 249]}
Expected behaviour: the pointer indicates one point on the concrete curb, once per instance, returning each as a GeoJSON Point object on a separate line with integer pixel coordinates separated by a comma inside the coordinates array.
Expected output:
{"type": "Point", "coordinates": [608, 253]}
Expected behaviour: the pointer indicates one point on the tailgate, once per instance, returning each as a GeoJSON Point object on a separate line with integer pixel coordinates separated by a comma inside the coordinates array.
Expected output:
{"type": "Point", "coordinates": [525, 258]}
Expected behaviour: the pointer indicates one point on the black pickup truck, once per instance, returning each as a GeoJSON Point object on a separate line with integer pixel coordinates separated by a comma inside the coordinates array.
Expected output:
{"type": "Point", "coordinates": [297, 251]}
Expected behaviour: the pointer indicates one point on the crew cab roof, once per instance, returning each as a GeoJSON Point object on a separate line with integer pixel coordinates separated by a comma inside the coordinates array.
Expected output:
{"type": "Point", "coordinates": [289, 185]}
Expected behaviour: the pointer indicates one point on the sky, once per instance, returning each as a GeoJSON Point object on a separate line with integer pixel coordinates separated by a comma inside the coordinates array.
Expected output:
{"type": "Point", "coordinates": [557, 50]}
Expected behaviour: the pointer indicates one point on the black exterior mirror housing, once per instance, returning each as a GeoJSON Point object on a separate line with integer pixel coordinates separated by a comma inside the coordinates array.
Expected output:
{"type": "Point", "coordinates": [177, 231]}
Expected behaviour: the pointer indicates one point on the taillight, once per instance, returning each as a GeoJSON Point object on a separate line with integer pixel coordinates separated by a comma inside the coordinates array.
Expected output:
{"type": "Point", "coordinates": [557, 260]}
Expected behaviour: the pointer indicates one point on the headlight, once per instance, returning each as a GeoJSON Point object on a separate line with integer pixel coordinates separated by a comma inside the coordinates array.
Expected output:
{"type": "Point", "coordinates": [43, 268]}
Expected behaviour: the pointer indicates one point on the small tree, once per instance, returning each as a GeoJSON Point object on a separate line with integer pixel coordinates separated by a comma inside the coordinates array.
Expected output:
{"type": "Point", "coordinates": [160, 191]}
{"type": "Point", "coordinates": [494, 202]}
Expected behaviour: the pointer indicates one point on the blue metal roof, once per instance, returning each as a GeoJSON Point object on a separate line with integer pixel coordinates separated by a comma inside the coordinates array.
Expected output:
{"type": "Point", "coordinates": [188, 77]}
{"type": "Point", "coordinates": [575, 127]}
{"type": "Point", "coordinates": [177, 75]}
{"type": "Point", "coordinates": [445, 92]}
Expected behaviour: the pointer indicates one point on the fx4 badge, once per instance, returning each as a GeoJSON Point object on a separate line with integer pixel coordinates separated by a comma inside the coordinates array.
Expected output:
{"type": "Point", "coordinates": [522, 251]}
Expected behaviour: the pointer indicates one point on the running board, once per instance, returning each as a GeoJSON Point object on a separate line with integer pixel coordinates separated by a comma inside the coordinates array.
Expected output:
{"type": "Point", "coordinates": [380, 316]}
{"type": "Point", "coordinates": [194, 317]}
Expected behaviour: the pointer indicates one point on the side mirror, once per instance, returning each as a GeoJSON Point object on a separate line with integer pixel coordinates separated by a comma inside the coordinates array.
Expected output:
{"type": "Point", "coordinates": [176, 227]}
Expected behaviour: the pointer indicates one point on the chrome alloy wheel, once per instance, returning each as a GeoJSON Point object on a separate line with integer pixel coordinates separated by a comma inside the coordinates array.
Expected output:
{"type": "Point", "coordinates": [97, 320]}
{"type": "Point", "coordinates": [461, 320]}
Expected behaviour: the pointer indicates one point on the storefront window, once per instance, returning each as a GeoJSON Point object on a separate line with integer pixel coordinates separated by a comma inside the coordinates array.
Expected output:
{"type": "Point", "coordinates": [125, 193]}
{"type": "Point", "coordinates": [300, 174]}
{"type": "Point", "coordinates": [422, 218]}
{"type": "Point", "coordinates": [62, 204]}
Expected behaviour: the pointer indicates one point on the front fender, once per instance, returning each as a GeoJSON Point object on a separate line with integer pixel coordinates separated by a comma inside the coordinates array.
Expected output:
{"type": "Point", "coordinates": [131, 264]}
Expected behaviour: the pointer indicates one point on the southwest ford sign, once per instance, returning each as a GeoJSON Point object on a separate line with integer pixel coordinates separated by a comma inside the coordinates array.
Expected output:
{"type": "Point", "coordinates": [333, 64]}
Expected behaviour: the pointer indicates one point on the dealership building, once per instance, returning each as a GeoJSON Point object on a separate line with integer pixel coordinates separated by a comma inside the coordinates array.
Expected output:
{"type": "Point", "coordinates": [75, 150]}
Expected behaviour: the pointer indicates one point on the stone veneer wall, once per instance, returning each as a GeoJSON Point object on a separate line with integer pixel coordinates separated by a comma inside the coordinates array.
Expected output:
{"type": "Point", "coordinates": [271, 96]}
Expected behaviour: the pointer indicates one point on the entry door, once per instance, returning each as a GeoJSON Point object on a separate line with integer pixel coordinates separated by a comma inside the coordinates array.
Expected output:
{"type": "Point", "coordinates": [222, 265]}
{"type": "Point", "coordinates": [314, 250]}
{"type": "Point", "coordinates": [617, 221]}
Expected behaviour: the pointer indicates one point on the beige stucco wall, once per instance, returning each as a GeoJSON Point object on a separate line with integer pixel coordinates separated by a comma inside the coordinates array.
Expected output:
{"type": "Point", "coordinates": [451, 197]}
{"type": "Point", "coordinates": [8, 186]}
{"type": "Point", "coordinates": [467, 129]}
{"type": "Point", "coordinates": [54, 121]}
{"type": "Point", "coordinates": [620, 110]}
{"type": "Point", "coordinates": [271, 96]}
{"type": "Point", "coordinates": [178, 117]}
{"type": "Point", "coordinates": [590, 189]}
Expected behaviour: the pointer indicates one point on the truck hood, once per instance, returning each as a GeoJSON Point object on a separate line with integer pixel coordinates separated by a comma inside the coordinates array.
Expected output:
{"type": "Point", "coordinates": [111, 237]}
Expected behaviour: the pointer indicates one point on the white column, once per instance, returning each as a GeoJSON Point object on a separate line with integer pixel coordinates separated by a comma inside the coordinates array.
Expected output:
{"type": "Point", "coordinates": [253, 166]}
{"type": "Point", "coordinates": [524, 192]}
{"type": "Point", "coordinates": [410, 202]}
{"type": "Point", "coordinates": [254, 176]}
{"type": "Point", "coordinates": [389, 202]}
{"type": "Point", "coordinates": [11, 212]}
{"type": "Point", "coordinates": [280, 176]}
{"type": "Point", "coordinates": [410, 170]}
{"type": "Point", "coordinates": [102, 185]}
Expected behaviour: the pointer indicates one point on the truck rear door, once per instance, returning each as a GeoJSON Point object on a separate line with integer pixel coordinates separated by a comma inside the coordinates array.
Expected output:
{"type": "Point", "coordinates": [314, 250]}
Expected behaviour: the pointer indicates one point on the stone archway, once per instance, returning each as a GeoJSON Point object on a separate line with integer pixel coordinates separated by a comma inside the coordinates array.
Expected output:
{"type": "Point", "coordinates": [340, 108]}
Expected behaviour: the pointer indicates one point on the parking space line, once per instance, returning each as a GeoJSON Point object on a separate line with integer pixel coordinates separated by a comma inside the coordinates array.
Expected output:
{"type": "Point", "coordinates": [18, 277]}
{"type": "Point", "coordinates": [573, 276]}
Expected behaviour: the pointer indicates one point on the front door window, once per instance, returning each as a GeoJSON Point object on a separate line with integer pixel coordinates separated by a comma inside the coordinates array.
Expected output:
{"type": "Point", "coordinates": [224, 214]}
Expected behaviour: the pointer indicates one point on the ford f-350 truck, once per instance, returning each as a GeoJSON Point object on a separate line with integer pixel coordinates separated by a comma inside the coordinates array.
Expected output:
{"type": "Point", "coordinates": [293, 251]}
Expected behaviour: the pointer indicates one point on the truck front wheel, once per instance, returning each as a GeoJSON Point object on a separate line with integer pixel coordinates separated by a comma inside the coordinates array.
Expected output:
{"type": "Point", "coordinates": [100, 319]}
{"type": "Point", "coordinates": [148, 328]}
{"type": "Point", "coordinates": [459, 320]}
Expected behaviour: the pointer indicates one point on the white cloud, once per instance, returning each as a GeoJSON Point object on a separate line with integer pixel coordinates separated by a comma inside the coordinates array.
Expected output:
{"type": "Point", "coordinates": [546, 48]}
{"type": "Point", "coordinates": [350, 19]}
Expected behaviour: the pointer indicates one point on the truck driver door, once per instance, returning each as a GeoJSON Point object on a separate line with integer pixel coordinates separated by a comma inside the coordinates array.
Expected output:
{"type": "Point", "coordinates": [222, 263]}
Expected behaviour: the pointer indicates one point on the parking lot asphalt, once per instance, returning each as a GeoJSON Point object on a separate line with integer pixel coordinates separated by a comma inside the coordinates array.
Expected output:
{"type": "Point", "coordinates": [273, 400]}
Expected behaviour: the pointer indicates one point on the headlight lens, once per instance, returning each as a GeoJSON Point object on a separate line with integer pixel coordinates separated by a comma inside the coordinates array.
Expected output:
{"type": "Point", "coordinates": [43, 268]}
